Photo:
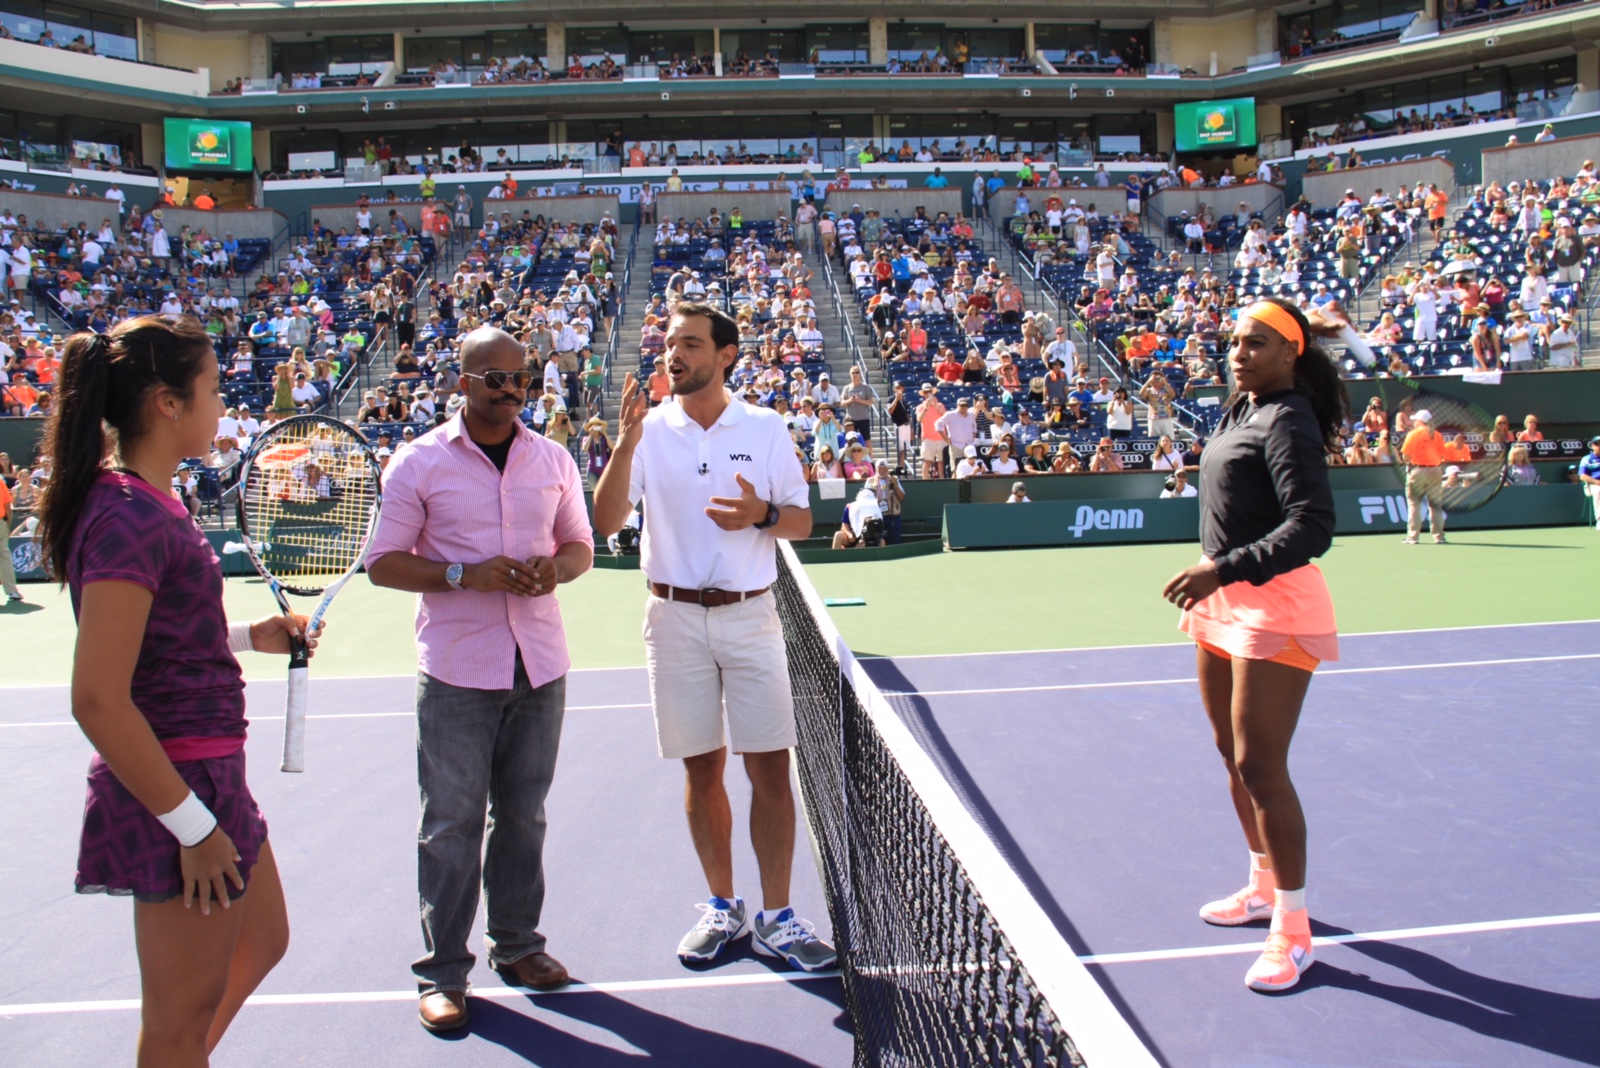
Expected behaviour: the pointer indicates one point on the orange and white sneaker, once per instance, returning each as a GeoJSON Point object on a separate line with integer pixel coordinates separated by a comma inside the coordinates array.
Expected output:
{"type": "Point", "coordinates": [1243, 906]}
{"type": "Point", "coordinates": [1287, 956]}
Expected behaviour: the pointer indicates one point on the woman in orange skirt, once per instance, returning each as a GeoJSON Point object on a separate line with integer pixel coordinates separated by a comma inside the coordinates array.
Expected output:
{"type": "Point", "coordinates": [1258, 608]}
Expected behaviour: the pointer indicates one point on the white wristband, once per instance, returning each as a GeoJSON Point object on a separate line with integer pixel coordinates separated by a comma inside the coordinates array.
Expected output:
{"type": "Point", "coordinates": [239, 640]}
{"type": "Point", "coordinates": [190, 823]}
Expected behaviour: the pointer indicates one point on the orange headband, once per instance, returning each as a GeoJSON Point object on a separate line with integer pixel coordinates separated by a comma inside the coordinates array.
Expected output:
{"type": "Point", "coordinates": [1273, 315]}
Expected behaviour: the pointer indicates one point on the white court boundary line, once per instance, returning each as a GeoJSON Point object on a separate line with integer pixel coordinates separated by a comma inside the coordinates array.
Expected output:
{"type": "Point", "coordinates": [367, 997]}
{"type": "Point", "coordinates": [931, 656]}
{"type": "Point", "coordinates": [1190, 643]}
{"type": "Point", "coordinates": [412, 675]}
{"type": "Point", "coordinates": [629, 986]}
{"type": "Point", "coordinates": [411, 714]}
{"type": "Point", "coordinates": [1189, 680]}
{"type": "Point", "coordinates": [1140, 956]}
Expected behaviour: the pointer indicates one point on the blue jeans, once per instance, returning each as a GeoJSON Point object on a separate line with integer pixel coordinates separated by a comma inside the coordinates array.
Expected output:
{"type": "Point", "coordinates": [482, 751]}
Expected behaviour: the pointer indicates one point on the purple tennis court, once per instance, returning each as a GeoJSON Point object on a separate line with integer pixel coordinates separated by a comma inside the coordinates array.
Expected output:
{"type": "Point", "coordinates": [622, 875]}
{"type": "Point", "coordinates": [1449, 786]}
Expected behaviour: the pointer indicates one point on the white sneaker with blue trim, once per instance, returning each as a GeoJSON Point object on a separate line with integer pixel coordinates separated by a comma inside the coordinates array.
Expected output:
{"type": "Point", "coordinates": [785, 935]}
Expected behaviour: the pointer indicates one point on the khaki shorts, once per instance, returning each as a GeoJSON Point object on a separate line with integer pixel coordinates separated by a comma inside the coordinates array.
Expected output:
{"type": "Point", "coordinates": [933, 450]}
{"type": "Point", "coordinates": [567, 362]}
{"type": "Point", "coordinates": [702, 660]}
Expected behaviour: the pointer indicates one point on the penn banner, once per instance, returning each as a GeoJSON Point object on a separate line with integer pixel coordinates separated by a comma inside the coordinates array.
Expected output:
{"type": "Point", "coordinates": [1069, 523]}
{"type": "Point", "coordinates": [1040, 523]}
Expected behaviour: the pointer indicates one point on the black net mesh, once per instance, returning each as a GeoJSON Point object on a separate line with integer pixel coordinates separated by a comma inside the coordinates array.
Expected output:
{"type": "Point", "coordinates": [929, 977]}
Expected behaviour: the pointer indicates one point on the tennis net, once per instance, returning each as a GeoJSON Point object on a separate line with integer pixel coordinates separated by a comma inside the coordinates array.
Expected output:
{"type": "Point", "coordinates": [946, 958]}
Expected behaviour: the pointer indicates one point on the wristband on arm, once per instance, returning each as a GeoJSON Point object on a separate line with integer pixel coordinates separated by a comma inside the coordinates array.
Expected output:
{"type": "Point", "coordinates": [239, 640]}
{"type": "Point", "coordinates": [190, 823]}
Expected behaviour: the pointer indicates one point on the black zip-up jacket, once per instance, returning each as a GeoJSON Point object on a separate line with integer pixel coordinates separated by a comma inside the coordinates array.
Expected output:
{"type": "Point", "coordinates": [1266, 506]}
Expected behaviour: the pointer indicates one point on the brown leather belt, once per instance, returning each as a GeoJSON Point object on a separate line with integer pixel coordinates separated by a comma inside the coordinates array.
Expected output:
{"type": "Point", "coordinates": [703, 598]}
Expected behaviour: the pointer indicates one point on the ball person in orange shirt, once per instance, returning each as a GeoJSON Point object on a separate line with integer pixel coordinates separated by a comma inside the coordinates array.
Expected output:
{"type": "Point", "coordinates": [1424, 451]}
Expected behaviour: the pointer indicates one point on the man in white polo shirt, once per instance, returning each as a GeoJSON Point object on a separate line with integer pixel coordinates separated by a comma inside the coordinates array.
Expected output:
{"type": "Point", "coordinates": [720, 486]}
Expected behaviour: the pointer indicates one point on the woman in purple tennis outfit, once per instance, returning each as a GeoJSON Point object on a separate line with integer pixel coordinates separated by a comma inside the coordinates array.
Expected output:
{"type": "Point", "coordinates": [169, 819]}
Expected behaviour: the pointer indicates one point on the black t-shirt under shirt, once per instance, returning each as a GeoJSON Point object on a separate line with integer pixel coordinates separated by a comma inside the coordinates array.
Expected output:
{"type": "Point", "coordinates": [499, 453]}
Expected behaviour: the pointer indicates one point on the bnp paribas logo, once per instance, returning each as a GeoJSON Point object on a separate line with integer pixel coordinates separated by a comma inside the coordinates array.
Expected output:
{"type": "Point", "coordinates": [211, 144]}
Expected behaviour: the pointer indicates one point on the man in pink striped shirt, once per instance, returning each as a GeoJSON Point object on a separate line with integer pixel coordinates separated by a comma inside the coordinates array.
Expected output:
{"type": "Point", "coordinates": [483, 519]}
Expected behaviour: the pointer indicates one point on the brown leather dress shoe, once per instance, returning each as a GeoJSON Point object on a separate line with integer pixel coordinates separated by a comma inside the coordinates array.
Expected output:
{"type": "Point", "coordinates": [443, 1010]}
{"type": "Point", "coordinates": [538, 971]}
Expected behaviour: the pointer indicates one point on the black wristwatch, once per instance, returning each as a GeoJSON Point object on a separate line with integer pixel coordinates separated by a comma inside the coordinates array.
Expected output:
{"type": "Point", "coordinates": [771, 518]}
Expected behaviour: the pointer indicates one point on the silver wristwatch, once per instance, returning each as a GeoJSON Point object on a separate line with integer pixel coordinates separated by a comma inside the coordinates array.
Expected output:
{"type": "Point", "coordinates": [452, 575]}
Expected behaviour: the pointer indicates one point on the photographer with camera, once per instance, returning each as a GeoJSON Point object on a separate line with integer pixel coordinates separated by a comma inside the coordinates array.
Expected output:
{"type": "Point", "coordinates": [890, 493]}
{"type": "Point", "coordinates": [863, 522]}
{"type": "Point", "coordinates": [1177, 485]}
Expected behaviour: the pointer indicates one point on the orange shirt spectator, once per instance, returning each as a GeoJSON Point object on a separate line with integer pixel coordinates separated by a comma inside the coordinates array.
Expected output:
{"type": "Point", "coordinates": [636, 156]}
{"type": "Point", "coordinates": [19, 397]}
{"type": "Point", "coordinates": [5, 503]}
{"type": "Point", "coordinates": [1437, 204]}
{"type": "Point", "coordinates": [932, 411]}
{"type": "Point", "coordinates": [1423, 447]}
{"type": "Point", "coordinates": [917, 340]}
{"type": "Point", "coordinates": [948, 369]}
{"type": "Point", "coordinates": [1456, 451]}
{"type": "Point", "coordinates": [204, 202]}
{"type": "Point", "coordinates": [46, 370]}
{"type": "Point", "coordinates": [660, 387]}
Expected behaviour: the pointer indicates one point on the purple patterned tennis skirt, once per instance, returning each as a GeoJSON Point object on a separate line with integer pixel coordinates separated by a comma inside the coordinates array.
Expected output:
{"type": "Point", "coordinates": [124, 849]}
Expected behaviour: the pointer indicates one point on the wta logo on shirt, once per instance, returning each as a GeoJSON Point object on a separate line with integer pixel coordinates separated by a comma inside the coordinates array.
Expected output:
{"type": "Point", "coordinates": [741, 456]}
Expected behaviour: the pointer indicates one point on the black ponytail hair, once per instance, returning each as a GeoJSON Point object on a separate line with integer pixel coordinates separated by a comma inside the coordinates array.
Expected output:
{"type": "Point", "coordinates": [100, 399]}
{"type": "Point", "coordinates": [1316, 377]}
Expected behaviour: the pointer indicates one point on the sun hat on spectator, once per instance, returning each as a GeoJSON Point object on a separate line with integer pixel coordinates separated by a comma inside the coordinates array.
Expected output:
{"type": "Point", "coordinates": [927, 387]}
{"type": "Point", "coordinates": [971, 452]}
{"type": "Point", "coordinates": [1423, 416]}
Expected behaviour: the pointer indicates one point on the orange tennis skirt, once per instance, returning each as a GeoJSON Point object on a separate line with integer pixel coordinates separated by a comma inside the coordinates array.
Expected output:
{"type": "Point", "coordinates": [1288, 621]}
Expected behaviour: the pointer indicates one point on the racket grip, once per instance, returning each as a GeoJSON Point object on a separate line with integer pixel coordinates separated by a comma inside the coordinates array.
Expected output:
{"type": "Point", "coordinates": [1357, 346]}
{"type": "Point", "coordinates": [294, 719]}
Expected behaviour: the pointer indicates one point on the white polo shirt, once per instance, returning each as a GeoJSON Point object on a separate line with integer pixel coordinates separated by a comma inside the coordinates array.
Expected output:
{"type": "Point", "coordinates": [678, 467]}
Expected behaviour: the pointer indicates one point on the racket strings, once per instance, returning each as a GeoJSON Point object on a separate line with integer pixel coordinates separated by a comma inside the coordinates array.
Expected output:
{"type": "Point", "coordinates": [1473, 467]}
{"type": "Point", "coordinates": [310, 496]}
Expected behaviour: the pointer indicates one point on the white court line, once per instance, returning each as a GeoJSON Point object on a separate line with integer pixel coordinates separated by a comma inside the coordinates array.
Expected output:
{"type": "Point", "coordinates": [1140, 956]}
{"type": "Point", "coordinates": [767, 978]}
{"type": "Point", "coordinates": [626, 986]}
{"type": "Point", "coordinates": [1189, 680]}
{"type": "Point", "coordinates": [1187, 642]}
{"type": "Point", "coordinates": [412, 676]}
{"type": "Point", "coordinates": [334, 715]}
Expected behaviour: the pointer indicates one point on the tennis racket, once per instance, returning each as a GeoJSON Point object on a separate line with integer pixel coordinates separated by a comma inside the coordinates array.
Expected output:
{"type": "Point", "coordinates": [309, 498]}
{"type": "Point", "coordinates": [1473, 469]}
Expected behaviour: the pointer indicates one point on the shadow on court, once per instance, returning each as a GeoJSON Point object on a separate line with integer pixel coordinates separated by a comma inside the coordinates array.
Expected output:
{"type": "Point", "coordinates": [1551, 1022]}
{"type": "Point", "coordinates": [918, 715]}
{"type": "Point", "coordinates": [636, 1029]}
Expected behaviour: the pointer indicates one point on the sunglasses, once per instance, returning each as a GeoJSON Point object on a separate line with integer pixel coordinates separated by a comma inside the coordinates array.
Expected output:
{"type": "Point", "coordinates": [497, 379]}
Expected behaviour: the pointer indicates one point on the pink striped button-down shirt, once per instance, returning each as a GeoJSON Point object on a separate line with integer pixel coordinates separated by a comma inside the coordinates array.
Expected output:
{"type": "Point", "coordinates": [444, 500]}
